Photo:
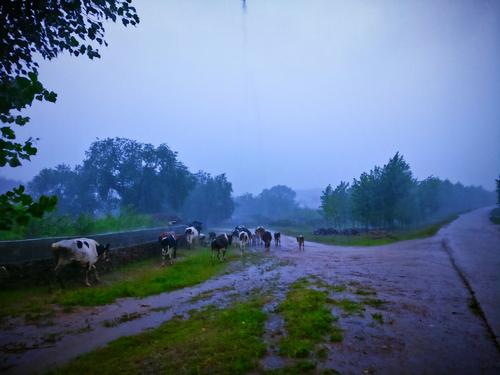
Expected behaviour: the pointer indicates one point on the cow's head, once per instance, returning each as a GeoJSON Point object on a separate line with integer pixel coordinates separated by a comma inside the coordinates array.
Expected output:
{"type": "Point", "coordinates": [229, 238]}
{"type": "Point", "coordinates": [188, 231]}
{"type": "Point", "coordinates": [103, 253]}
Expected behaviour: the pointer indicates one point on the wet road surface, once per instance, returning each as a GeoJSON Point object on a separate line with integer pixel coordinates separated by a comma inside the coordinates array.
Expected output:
{"type": "Point", "coordinates": [428, 327]}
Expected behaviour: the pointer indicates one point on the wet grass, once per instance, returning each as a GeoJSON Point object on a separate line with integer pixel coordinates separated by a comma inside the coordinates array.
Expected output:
{"type": "Point", "coordinates": [211, 341]}
{"type": "Point", "coordinates": [378, 317]}
{"type": "Point", "coordinates": [138, 279]}
{"type": "Point", "coordinates": [307, 319]}
{"type": "Point", "coordinates": [348, 306]}
{"type": "Point", "coordinates": [368, 239]}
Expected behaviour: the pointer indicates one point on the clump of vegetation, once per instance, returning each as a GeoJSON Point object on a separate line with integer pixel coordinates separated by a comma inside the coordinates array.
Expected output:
{"type": "Point", "coordinates": [374, 302]}
{"type": "Point", "coordinates": [299, 368]}
{"type": "Point", "coordinates": [210, 342]}
{"type": "Point", "coordinates": [307, 319]}
{"type": "Point", "coordinates": [378, 317]}
{"type": "Point", "coordinates": [348, 306]}
{"type": "Point", "coordinates": [337, 334]}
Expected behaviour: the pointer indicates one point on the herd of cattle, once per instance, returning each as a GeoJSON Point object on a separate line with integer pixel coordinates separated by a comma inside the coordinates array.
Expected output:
{"type": "Point", "coordinates": [88, 252]}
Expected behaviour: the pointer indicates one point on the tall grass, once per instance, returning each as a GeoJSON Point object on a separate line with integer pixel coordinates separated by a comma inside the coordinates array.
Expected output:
{"type": "Point", "coordinates": [57, 225]}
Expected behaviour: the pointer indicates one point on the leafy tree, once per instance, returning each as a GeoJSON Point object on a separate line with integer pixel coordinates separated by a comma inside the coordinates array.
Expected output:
{"type": "Point", "coordinates": [277, 202]}
{"type": "Point", "coordinates": [75, 195]}
{"type": "Point", "coordinates": [336, 204]}
{"type": "Point", "coordinates": [396, 189]}
{"type": "Point", "coordinates": [141, 176]}
{"type": "Point", "coordinates": [327, 204]}
{"type": "Point", "coordinates": [210, 201]}
{"type": "Point", "coordinates": [46, 29]}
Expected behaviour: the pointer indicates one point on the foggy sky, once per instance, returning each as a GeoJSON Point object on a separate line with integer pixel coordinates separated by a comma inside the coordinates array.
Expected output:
{"type": "Point", "coordinates": [302, 93]}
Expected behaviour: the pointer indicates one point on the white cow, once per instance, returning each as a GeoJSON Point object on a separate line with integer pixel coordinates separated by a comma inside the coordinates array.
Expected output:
{"type": "Point", "coordinates": [86, 251]}
{"type": "Point", "coordinates": [192, 235]}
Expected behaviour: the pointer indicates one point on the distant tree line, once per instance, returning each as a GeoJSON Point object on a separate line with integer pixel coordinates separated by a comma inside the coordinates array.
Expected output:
{"type": "Point", "coordinates": [122, 174]}
{"type": "Point", "coordinates": [390, 197]}
{"type": "Point", "coordinates": [276, 205]}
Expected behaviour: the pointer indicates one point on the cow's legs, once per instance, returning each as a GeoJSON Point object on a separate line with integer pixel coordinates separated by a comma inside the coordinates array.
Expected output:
{"type": "Point", "coordinates": [95, 273]}
{"type": "Point", "coordinates": [87, 269]}
{"type": "Point", "coordinates": [169, 253]}
{"type": "Point", "coordinates": [58, 275]}
{"type": "Point", "coordinates": [163, 254]}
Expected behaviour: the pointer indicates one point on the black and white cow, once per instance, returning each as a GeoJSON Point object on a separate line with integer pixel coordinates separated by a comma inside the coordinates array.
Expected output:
{"type": "Point", "coordinates": [300, 241]}
{"type": "Point", "coordinates": [267, 237]}
{"type": "Point", "coordinates": [168, 244]}
{"type": "Point", "coordinates": [192, 235]}
{"type": "Point", "coordinates": [86, 251]}
{"type": "Point", "coordinates": [211, 236]}
{"type": "Point", "coordinates": [220, 244]}
{"type": "Point", "coordinates": [277, 239]}
{"type": "Point", "coordinates": [243, 239]}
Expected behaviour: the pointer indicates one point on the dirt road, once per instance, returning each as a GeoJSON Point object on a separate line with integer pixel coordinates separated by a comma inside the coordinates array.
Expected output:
{"type": "Point", "coordinates": [428, 326]}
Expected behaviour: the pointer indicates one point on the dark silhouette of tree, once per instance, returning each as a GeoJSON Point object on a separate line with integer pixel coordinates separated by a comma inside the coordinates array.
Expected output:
{"type": "Point", "coordinates": [41, 28]}
{"type": "Point", "coordinates": [210, 201]}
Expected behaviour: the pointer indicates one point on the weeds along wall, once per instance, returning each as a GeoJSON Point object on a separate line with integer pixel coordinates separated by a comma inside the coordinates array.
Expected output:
{"type": "Point", "coordinates": [32, 261]}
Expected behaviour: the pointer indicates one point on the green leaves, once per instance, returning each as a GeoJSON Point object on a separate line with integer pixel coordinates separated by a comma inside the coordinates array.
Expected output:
{"type": "Point", "coordinates": [17, 207]}
{"type": "Point", "coordinates": [55, 27]}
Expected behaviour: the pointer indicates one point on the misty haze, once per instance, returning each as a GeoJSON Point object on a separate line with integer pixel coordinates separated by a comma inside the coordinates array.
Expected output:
{"type": "Point", "coordinates": [250, 187]}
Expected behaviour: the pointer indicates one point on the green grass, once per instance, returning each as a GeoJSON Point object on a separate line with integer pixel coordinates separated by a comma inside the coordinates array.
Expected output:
{"type": "Point", "coordinates": [495, 215]}
{"type": "Point", "coordinates": [307, 319]}
{"type": "Point", "coordinates": [348, 306]}
{"type": "Point", "coordinates": [56, 225]}
{"type": "Point", "coordinates": [378, 317]}
{"type": "Point", "coordinates": [210, 342]}
{"type": "Point", "coordinates": [367, 239]}
{"type": "Point", "coordinates": [138, 279]}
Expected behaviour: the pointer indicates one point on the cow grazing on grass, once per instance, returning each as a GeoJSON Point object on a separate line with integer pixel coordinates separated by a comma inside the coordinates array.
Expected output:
{"type": "Point", "coordinates": [300, 241]}
{"type": "Point", "coordinates": [243, 239]}
{"type": "Point", "coordinates": [83, 250]}
{"type": "Point", "coordinates": [267, 237]}
{"type": "Point", "coordinates": [220, 244]}
{"type": "Point", "coordinates": [168, 244]}
{"type": "Point", "coordinates": [192, 235]}
{"type": "Point", "coordinates": [277, 239]}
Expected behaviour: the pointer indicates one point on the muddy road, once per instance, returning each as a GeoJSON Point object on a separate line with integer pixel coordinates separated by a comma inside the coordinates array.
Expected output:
{"type": "Point", "coordinates": [428, 327]}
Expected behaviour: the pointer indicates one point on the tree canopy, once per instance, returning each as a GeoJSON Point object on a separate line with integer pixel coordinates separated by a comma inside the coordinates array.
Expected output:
{"type": "Point", "coordinates": [43, 29]}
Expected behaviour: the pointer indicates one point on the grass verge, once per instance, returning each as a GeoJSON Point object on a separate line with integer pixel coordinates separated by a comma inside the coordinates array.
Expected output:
{"type": "Point", "coordinates": [138, 279]}
{"type": "Point", "coordinates": [367, 239]}
{"type": "Point", "coordinates": [210, 342]}
{"type": "Point", "coordinates": [307, 319]}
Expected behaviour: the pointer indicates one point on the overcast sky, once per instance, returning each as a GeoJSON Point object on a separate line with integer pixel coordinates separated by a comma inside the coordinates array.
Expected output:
{"type": "Point", "coordinates": [302, 93]}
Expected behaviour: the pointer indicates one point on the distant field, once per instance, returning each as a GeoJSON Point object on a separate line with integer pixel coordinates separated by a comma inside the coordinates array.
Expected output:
{"type": "Point", "coordinates": [368, 239]}
{"type": "Point", "coordinates": [138, 279]}
{"type": "Point", "coordinates": [495, 215]}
